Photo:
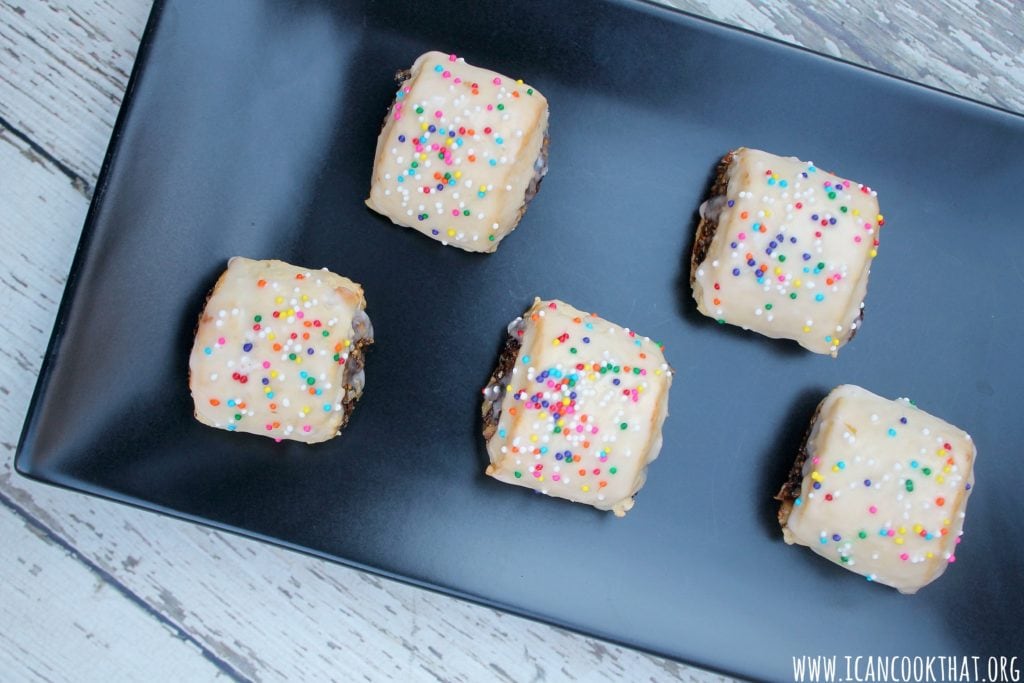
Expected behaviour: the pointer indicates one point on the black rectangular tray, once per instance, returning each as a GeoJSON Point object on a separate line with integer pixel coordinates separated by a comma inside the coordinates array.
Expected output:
{"type": "Point", "coordinates": [249, 129]}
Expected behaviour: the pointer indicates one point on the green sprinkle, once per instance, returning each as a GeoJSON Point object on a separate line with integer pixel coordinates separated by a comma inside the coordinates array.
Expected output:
{"type": "Point", "coordinates": [927, 471]}
{"type": "Point", "coordinates": [326, 333]}
{"type": "Point", "coordinates": [311, 381]}
{"type": "Point", "coordinates": [792, 295]}
{"type": "Point", "coordinates": [782, 259]}
{"type": "Point", "coordinates": [415, 164]}
{"type": "Point", "coordinates": [909, 486]}
{"type": "Point", "coordinates": [831, 195]}
{"type": "Point", "coordinates": [843, 209]}
{"type": "Point", "coordinates": [623, 425]}
{"type": "Point", "coordinates": [501, 107]}
{"type": "Point", "coordinates": [238, 416]}
{"type": "Point", "coordinates": [419, 110]}
{"type": "Point", "coordinates": [613, 470]}
{"type": "Point", "coordinates": [572, 349]}
{"type": "Point", "coordinates": [519, 475]}
{"type": "Point", "coordinates": [291, 356]}
{"type": "Point", "coordinates": [767, 307]}
{"type": "Point", "coordinates": [862, 534]}
{"type": "Point", "coordinates": [258, 318]}
{"type": "Point", "coordinates": [529, 91]}
{"type": "Point", "coordinates": [636, 371]}
{"type": "Point", "coordinates": [821, 265]}
{"type": "Point", "coordinates": [490, 237]}
{"type": "Point", "coordinates": [720, 321]}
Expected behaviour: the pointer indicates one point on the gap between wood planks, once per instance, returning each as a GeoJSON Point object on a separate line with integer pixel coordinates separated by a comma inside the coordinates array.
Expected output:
{"type": "Point", "coordinates": [77, 181]}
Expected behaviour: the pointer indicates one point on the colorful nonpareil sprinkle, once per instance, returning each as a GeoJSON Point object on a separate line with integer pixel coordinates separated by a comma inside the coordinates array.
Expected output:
{"type": "Point", "coordinates": [278, 351]}
{"type": "Point", "coordinates": [581, 408]}
{"type": "Point", "coordinates": [460, 153]}
{"type": "Point", "coordinates": [791, 250]}
{"type": "Point", "coordinates": [885, 488]}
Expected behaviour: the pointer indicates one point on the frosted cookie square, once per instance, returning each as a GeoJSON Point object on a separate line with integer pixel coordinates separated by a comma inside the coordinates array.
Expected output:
{"type": "Point", "coordinates": [785, 249]}
{"type": "Point", "coordinates": [279, 351]}
{"type": "Point", "coordinates": [880, 487]}
{"type": "Point", "coordinates": [575, 406]}
{"type": "Point", "coordinates": [462, 152]}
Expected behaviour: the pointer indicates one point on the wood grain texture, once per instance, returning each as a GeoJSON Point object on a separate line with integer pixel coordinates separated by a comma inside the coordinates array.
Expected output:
{"type": "Point", "coordinates": [129, 594]}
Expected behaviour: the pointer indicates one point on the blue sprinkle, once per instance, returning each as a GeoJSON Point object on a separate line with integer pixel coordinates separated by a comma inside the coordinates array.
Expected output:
{"type": "Point", "coordinates": [735, 271]}
{"type": "Point", "coordinates": [438, 68]}
{"type": "Point", "coordinates": [401, 138]}
{"type": "Point", "coordinates": [892, 432]}
{"type": "Point", "coordinates": [265, 380]}
{"type": "Point", "coordinates": [327, 407]}
{"type": "Point", "coordinates": [867, 482]}
{"type": "Point", "coordinates": [819, 297]}
{"type": "Point", "coordinates": [586, 340]}
{"type": "Point", "coordinates": [208, 351]}
{"type": "Point", "coordinates": [798, 502]}
{"type": "Point", "coordinates": [903, 420]}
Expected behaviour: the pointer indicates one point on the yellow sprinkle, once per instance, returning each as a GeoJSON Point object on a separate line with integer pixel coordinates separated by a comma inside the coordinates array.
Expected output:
{"type": "Point", "coordinates": [767, 213]}
{"type": "Point", "coordinates": [458, 174]}
{"type": "Point", "coordinates": [266, 390]}
{"type": "Point", "coordinates": [565, 401]}
{"type": "Point", "coordinates": [873, 253]}
{"type": "Point", "coordinates": [835, 342]}
{"type": "Point", "coordinates": [816, 476]}
{"type": "Point", "coordinates": [519, 81]}
{"type": "Point", "coordinates": [424, 126]}
{"type": "Point", "coordinates": [899, 540]}
{"type": "Point", "coordinates": [946, 522]}
{"type": "Point", "coordinates": [279, 299]}
{"type": "Point", "coordinates": [917, 528]}
{"type": "Point", "coordinates": [305, 297]}
{"type": "Point", "coordinates": [902, 530]}
{"type": "Point", "coordinates": [797, 283]}
{"type": "Point", "coordinates": [423, 156]}
{"type": "Point", "coordinates": [584, 488]}
{"type": "Point", "coordinates": [806, 329]}
{"type": "Point", "coordinates": [533, 438]}
{"type": "Point", "coordinates": [271, 336]}
{"type": "Point", "coordinates": [348, 343]}
{"type": "Point", "coordinates": [305, 409]}
{"type": "Point", "coordinates": [778, 270]}
{"type": "Point", "coordinates": [508, 388]}
{"type": "Point", "coordinates": [657, 372]}
{"type": "Point", "coordinates": [929, 555]}
{"type": "Point", "coordinates": [542, 415]}
{"type": "Point", "coordinates": [561, 423]}
{"type": "Point", "coordinates": [941, 452]}
{"type": "Point", "coordinates": [483, 188]}
{"type": "Point", "coordinates": [947, 469]}
{"type": "Point", "coordinates": [856, 212]}
{"type": "Point", "coordinates": [939, 479]}
{"type": "Point", "coordinates": [879, 218]}
{"type": "Point", "coordinates": [451, 232]}
{"type": "Point", "coordinates": [298, 360]}
{"type": "Point", "coordinates": [555, 342]}
{"type": "Point", "coordinates": [540, 478]}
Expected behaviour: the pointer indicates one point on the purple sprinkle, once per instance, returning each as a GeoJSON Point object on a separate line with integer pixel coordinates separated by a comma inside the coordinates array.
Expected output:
{"type": "Point", "coordinates": [793, 240]}
{"type": "Point", "coordinates": [733, 245]}
{"type": "Point", "coordinates": [735, 271]}
{"type": "Point", "coordinates": [831, 221]}
{"type": "Point", "coordinates": [433, 232]}
{"type": "Point", "coordinates": [401, 138]}
{"type": "Point", "coordinates": [817, 485]}
{"type": "Point", "coordinates": [836, 537]}
{"type": "Point", "coordinates": [309, 351]}
{"type": "Point", "coordinates": [807, 257]}
{"type": "Point", "coordinates": [586, 340]}
{"type": "Point", "coordinates": [967, 488]}
{"type": "Point", "coordinates": [773, 244]}
{"type": "Point", "coordinates": [731, 202]}
{"type": "Point", "coordinates": [903, 420]}
{"type": "Point", "coordinates": [432, 129]}
{"type": "Point", "coordinates": [247, 347]}
{"type": "Point", "coordinates": [814, 216]}
{"type": "Point", "coordinates": [867, 482]}
{"type": "Point", "coordinates": [616, 381]}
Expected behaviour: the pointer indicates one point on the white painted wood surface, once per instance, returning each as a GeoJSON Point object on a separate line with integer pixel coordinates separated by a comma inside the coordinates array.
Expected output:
{"type": "Point", "coordinates": [90, 590]}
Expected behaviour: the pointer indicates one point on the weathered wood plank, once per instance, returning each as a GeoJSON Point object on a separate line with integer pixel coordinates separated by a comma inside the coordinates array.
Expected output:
{"type": "Point", "coordinates": [65, 69]}
{"type": "Point", "coordinates": [49, 600]}
{"type": "Point", "coordinates": [961, 46]}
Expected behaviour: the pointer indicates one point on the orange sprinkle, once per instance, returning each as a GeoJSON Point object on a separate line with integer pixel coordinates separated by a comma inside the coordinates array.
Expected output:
{"type": "Point", "coordinates": [744, 215]}
{"type": "Point", "coordinates": [261, 283]}
{"type": "Point", "coordinates": [575, 458]}
{"type": "Point", "coordinates": [241, 406]}
{"type": "Point", "coordinates": [718, 302]}
{"type": "Point", "coordinates": [300, 276]}
{"type": "Point", "coordinates": [586, 444]}
{"type": "Point", "coordinates": [472, 158]}
{"type": "Point", "coordinates": [602, 484]}
{"type": "Point", "coordinates": [940, 501]}
{"type": "Point", "coordinates": [273, 406]}
{"type": "Point", "coordinates": [305, 335]}
{"type": "Point", "coordinates": [643, 355]}
{"type": "Point", "coordinates": [214, 402]}
{"type": "Point", "coordinates": [277, 425]}
{"type": "Point", "coordinates": [277, 347]}
{"type": "Point", "coordinates": [511, 411]}
{"type": "Point", "coordinates": [577, 320]}
{"type": "Point", "coordinates": [583, 472]}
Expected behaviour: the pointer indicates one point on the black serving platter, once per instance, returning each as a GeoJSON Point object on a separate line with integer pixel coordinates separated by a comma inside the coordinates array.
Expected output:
{"type": "Point", "coordinates": [249, 128]}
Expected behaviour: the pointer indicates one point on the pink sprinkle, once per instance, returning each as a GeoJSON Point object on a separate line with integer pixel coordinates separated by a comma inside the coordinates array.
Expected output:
{"type": "Point", "coordinates": [536, 474]}
{"type": "Point", "coordinates": [872, 509]}
{"type": "Point", "coordinates": [222, 341]}
{"type": "Point", "coordinates": [269, 427]}
{"type": "Point", "coordinates": [307, 428]}
{"type": "Point", "coordinates": [556, 477]}
{"type": "Point", "coordinates": [457, 80]}
{"type": "Point", "coordinates": [742, 235]}
{"type": "Point", "coordinates": [447, 74]}
{"type": "Point", "coordinates": [593, 430]}
{"type": "Point", "coordinates": [904, 557]}
{"type": "Point", "coordinates": [433, 147]}
{"type": "Point", "coordinates": [952, 559]}
{"type": "Point", "coordinates": [455, 212]}
{"type": "Point", "coordinates": [266, 364]}
{"type": "Point", "coordinates": [891, 533]}
{"type": "Point", "coordinates": [490, 107]}
{"type": "Point", "coordinates": [398, 116]}
{"type": "Point", "coordinates": [579, 428]}
{"type": "Point", "coordinates": [438, 114]}
{"type": "Point", "coordinates": [448, 161]}
{"type": "Point", "coordinates": [300, 314]}
{"type": "Point", "coordinates": [957, 541]}
{"type": "Point", "coordinates": [867, 226]}
{"type": "Point", "coordinates": [815, 460]}
{"type": "Point", "coordinates": [857, 239]}
{"type": "Point", "coordinates": [497, 81]}
{"type": "Point", "coordinates": [452, 58]}
{"type": "Point", "coordinates": [782, 278]}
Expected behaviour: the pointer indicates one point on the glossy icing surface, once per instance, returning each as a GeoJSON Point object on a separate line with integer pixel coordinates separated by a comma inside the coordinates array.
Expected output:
{"type": "Point", "coordinates": [792, 251]}
{"type": "Point", "coordinates": [583, 408]}
{"type": "Point", "coordinates": [271, 349]}
{"type": "Point", "coordinates": [885, 489]}
{"type": "Point", "coordinates": [458, 152]}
